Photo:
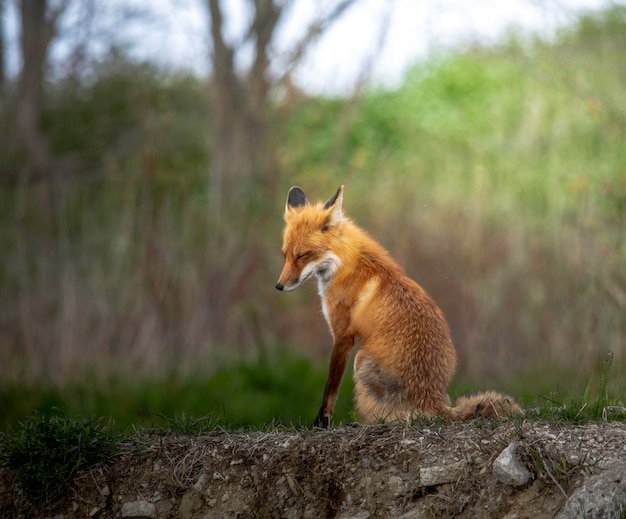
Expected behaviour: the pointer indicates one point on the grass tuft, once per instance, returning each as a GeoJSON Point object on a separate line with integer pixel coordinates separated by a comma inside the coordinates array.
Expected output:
{"type": "Point", "coordinates": [185, 423]}
{"type": "Point", "coordinates": [46, 452]}
{"type": "Point", "coordinates": [586, 407]}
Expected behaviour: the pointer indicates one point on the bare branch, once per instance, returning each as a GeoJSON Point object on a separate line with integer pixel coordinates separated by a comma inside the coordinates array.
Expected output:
{"type": "Point", "coordinates": [223, 54]}
{"type": "Point", "coordinates": [368, 64]}
{"type": "Point", "coordinates": [2, 48]}
{"type": "Point", "coordinates": [267, 14]}
{"type": "Point", "coordinates": [55, 13]}
{"type": "Point", "coordinates": [51, 22]}
{"type": "Point", "coordinates": [314, 30]}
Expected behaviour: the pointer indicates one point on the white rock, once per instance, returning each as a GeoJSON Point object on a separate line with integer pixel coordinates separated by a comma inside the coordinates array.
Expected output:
{"type": "Point", "coordinates": [438, 475]}
{"type": "Point", "coordinates": [508, 470]}
{"type": "Point", "coordinates": [139, 510]}
{"type": "Point", "coordinates": [360, 515]}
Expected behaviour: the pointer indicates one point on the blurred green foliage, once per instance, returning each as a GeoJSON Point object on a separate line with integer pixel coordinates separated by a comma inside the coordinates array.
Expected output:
{"type": "Point", "coordinates": [132, 111]}
{"type": "Point", "coordinates": [284, 389]}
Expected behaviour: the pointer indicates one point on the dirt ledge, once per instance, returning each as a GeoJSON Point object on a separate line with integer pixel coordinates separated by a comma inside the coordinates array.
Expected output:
{"type": "Point", "coordinates": [354, 472]}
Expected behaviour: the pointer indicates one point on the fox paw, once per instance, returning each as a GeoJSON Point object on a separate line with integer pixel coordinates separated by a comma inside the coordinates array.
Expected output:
{"type": "Point", "coordinates": [322, 420]}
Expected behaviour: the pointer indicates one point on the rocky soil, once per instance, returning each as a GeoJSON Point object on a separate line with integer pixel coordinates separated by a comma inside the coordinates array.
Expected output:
{"type": "Point", "coordinates": [510, 469]}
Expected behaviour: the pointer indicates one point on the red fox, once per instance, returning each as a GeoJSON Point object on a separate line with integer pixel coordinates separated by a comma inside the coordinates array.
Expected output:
{"type": "Point", "coordinates": [406, 358]}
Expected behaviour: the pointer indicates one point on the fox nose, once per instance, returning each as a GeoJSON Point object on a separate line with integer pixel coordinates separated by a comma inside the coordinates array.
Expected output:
{"type": "Point", "coordinates": [279, 286]}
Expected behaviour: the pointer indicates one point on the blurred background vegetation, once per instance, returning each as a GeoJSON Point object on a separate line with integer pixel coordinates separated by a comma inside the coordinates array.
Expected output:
{"type": "Point", "coordinates": [141, 215]}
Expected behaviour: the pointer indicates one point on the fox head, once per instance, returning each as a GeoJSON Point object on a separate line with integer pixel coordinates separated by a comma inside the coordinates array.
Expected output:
{"type": "Point", "coordinates": [310, 234]}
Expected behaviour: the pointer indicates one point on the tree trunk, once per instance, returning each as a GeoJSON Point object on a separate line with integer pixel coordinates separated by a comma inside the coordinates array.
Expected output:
{"type": "Point", "coordinates": [2, 49]}
{"type": "Point", "coordinates": [240, 101]}
{"type": "Point", "coordinates": [243, 176]}
{"type": "Point", "coordinates": [37, 31]}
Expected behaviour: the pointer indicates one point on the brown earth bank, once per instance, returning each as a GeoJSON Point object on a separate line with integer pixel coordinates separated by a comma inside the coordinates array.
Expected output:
{"type": "Point", "coordinates": [512, 469]}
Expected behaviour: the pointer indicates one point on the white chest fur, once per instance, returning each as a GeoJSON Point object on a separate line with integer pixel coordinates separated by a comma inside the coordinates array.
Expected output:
{"type": "Point", "coordinates": [325, 271]}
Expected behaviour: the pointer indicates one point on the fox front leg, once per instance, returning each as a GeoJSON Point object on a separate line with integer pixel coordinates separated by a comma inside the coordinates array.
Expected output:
{"type": "Point", "coordinates": [335, 374]}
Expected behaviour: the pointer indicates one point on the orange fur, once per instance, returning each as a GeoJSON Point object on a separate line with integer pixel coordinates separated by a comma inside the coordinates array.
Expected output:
{"type": "Point", "coordinates": [406, 359]}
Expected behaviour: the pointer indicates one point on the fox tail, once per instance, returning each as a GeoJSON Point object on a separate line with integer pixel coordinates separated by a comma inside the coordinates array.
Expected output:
{"type": "Point", "coordinates": [487, 404]}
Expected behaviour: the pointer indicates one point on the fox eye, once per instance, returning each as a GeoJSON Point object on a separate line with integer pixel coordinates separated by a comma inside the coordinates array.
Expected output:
{"type": "Point", "coordinates": [302, 254]}
{"type": "Point", "coordinates": [324, 228]}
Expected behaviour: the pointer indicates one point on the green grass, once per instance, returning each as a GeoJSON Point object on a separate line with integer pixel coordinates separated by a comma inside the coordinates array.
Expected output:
{"type": "Point", "coordinates": [46, 450]}
{"type": "Point", "coordinates": [594, 404]}
{"type": "Point", "coordinates": [285, 391]}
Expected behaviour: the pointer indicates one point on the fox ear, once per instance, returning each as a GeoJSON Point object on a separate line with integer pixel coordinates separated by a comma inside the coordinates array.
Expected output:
{"type": "Point", "coordinates": [335, 202]}
{"type": "Point", "coordinates": [295, 198]}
